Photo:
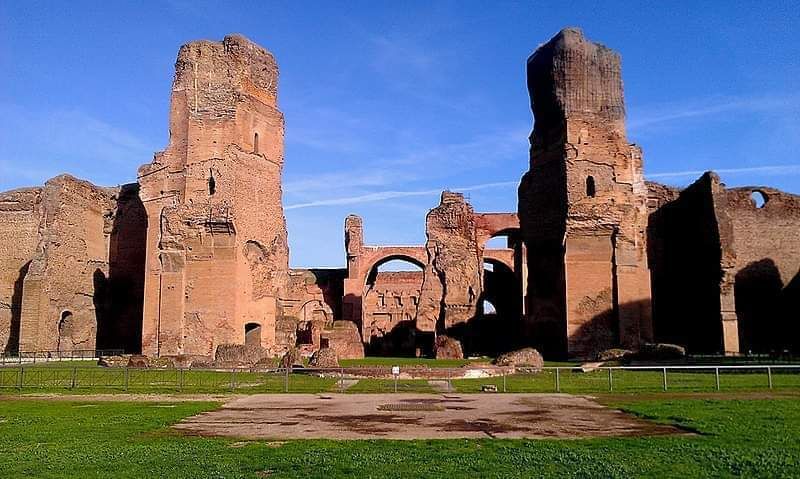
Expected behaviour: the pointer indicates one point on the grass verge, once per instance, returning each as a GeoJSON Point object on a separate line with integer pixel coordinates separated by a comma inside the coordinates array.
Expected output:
{"type": "Point", "coordinates": [49, 439]}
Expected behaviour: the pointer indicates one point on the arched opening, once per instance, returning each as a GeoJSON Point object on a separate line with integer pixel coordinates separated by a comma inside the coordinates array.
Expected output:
{"type": "Point", "coordinates": [64, 331]}
{"type": "Point", "coordinates": [497, 242]}
{"type": "Point", "coordinates": [591, 189]}
{"type": "Point", "coordinates": [389, 308]}
{"type": "Point", "coordinates": [255, 143]}
{"type": "Point", "coordinates": [759, 198]}
{"type": "Point", "coordinates": [212, 183]}
{"type": "Point", "coordinates": [252, 334]}
{"type": "Point", "coordinates": [497, 326]}
{"type": "Point", "coordinates": [488, 307]}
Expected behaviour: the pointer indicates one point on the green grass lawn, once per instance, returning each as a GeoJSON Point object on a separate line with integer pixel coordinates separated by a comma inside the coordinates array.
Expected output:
{"type": "Point", "coordinates": [50, 379]}
{"type": "Point", "coordinates": [387, 386]}
{"type": "Point", "coordinates": [48, 439]}
{"type": "Point", "coordinates": [633, 381]}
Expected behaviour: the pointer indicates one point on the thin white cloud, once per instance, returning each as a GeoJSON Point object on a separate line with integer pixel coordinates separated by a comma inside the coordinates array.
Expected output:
{"type": "Point", "coordinates": [764, 170]}
{"type": "Point", "coordinates": [643, 118]}
{"type": "Point", "coordinates": [387, 195]}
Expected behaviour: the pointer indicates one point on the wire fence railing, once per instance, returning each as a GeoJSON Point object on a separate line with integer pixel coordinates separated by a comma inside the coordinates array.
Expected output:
{"type": "Point", "coordinates": [53, 356]}
{"type": "Point", "coordinates": [620, 379]}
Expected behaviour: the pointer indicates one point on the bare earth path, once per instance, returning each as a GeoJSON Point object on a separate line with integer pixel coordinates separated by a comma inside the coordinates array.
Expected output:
{"type": "Point", "coordinates": [417, 416]}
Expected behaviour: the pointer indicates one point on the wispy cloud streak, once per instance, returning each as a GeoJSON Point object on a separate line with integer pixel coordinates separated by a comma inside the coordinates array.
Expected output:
{"type": "Point", "coordinates": [765, 170]}
{"type": "Point", "coordinates": [654, 116]}
{"type": "Point", "coordinates": [388, 195]}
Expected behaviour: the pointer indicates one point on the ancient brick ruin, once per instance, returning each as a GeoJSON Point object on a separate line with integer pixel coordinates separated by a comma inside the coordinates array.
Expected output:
{"type": "Point", "coordinates": [194, 255]}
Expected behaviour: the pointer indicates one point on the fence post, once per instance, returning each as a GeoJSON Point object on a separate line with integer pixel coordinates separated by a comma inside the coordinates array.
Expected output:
{"type": "Point", "coordinates": [769, 376]}
{"type": "Point", "coordinates": [716, 376]}
{"type": "Point", "coordinates": [127, 378]}
{"type": "Point", "coordinates": [610, 381]}
{"type": "Point", "coordinates": [504, 381]}
{"type": "Point", "coordinates": [74, 377]}
{"type": "Point", "coordinates": [558, 380]}
{"type": "Point", "coordinates": [233, 371]}
{"type": "Point", "coordinates": [395, 383]}
{"type": "Point", "coordinates": [21, 377]}
{"type": "Point", "coordinates": [665, 379]}
{"type": "Point", "coordinates": [286, 380]}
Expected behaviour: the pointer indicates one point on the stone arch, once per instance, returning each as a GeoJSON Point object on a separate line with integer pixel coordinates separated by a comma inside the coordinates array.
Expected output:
{"type": "Point", "coordinates": [311, 309]}
{"type": "Point", "coordinates": [759, 198]}
{"type": "Point", "coordinates": [252, 334]}
{"type": "Point", "coordinates": [372, 270]}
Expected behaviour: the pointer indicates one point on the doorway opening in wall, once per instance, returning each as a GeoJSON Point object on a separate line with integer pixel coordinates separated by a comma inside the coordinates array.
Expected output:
{"type": "Point", "coordinates": [389, 308]}
{"type": "Point", "coordinates": [63, 329]}
{"type": "Point", "coordinates": [252, 334]}
{"type": "Point", "coordinates": [212, 184]}
{"type": "Point", "coordinates": [255, 143]}
{"type": "Point", "coordinates": [496, 327]}
{"type": "Point", "coordinates": [591, 189]}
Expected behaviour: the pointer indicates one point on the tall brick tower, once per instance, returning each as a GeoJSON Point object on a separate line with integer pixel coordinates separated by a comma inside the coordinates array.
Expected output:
{"type": "Point", "coordinates": [217, 254]}
{"type": "Point", "coordinates": [582, 205]}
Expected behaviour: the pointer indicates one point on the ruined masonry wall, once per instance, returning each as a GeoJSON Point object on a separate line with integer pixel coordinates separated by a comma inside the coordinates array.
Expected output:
{"type": "Point", "coordinates": [20, 212]}
{"type": "Point", "coordinates": [767, 268]}
{"type": "Point", "coordinates": [62, 305]}
{"type": "Point", "coordinates": [217, 250]}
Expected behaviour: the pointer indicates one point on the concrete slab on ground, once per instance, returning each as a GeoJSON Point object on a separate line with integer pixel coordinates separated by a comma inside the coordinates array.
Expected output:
{"type": "Point", "coordinates": [417, 416]}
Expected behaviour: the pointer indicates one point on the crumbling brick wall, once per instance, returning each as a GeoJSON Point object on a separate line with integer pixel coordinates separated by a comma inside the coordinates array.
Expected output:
{"type": "Point", "coordinates": [20, 213]}
{"type": "Point", "coordinates": [692, 260]}
{"type": "Point", "coordinates": [767, 244]}
{"type": "Point", "coordinates": [390, 312]}
{"type": "Point", "coordinates": [582, 204]}
{"type": "Point", "coordinates": [217, 248]}
{"type": "Point", "coordinates": [452, 280]}
{"type": "Point", "coordinates": [63, 299]}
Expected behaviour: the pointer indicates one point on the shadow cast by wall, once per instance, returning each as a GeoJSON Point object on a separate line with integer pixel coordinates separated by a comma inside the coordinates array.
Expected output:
{"type": "Point", "coordinates": [120, 299]}
{"type": "Point", "coordinates": [12, 346]}
{"type": "Point", "coordinates": [767, 311]}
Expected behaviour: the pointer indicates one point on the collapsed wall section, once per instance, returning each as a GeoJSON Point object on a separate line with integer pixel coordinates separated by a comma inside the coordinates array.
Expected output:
{"type": "Point", "coordinates": [20, 214]}
{"type": "Point", "coordinates": [452, 278]}
{"type": "Point", "coordinates": [63, 299]}
{"type": "Point", "coordinates": [582, 205]}
{"type": "Point", "coordinates": [217, 254]}
{"type": "Point", "coordinates": [766, 238]}
{"type": "Point", "coordinates": [693, 260]}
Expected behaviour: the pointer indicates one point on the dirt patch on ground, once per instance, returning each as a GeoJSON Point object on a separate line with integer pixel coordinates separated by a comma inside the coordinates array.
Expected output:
{"type": "Point", "coordinates": [409, 416]}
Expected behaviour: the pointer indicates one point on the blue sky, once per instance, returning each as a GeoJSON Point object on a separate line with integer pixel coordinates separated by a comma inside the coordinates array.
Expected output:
{"type": "Point", "coordinates": [387, 103]}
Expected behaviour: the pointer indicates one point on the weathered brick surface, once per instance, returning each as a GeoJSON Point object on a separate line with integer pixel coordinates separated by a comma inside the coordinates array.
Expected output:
{"type": "Point", "coordinates": [195, 254]}
{"type": "Point", "coordinates": [767, 269]}
{"type": "Point", "coordinates": [217, 249]}
{"type": "Point", "coordinates": [63, 296]}
{"type": "Point", "coordinates": [20, 213]}
{"type": "Point", "coordinates": [582, 205]}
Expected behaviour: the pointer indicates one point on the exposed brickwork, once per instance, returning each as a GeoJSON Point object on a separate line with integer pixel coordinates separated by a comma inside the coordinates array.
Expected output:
{"type": "Point", "coordinates": [452, 281]}
{"type": "Point", "coordinates": [217, 248]}
{"type": "Point", "coordinates": [767, 269]}
{"type": "Point", "coordinates": [582, 205]}
{"type": "Point", "coordinates": [20, 213]}
{"type": "Point", "coordinates": [195, 255]}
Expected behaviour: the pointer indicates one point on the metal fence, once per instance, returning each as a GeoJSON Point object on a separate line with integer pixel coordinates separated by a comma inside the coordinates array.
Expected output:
{"type": "Point", "coordinates": [51, 356]}
{"type": "Point", "coordinates": [622, 379]}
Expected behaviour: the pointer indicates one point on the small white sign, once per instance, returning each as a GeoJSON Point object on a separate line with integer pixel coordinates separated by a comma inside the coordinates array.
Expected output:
{"type": "Point", "coordinates": [396, 370]}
